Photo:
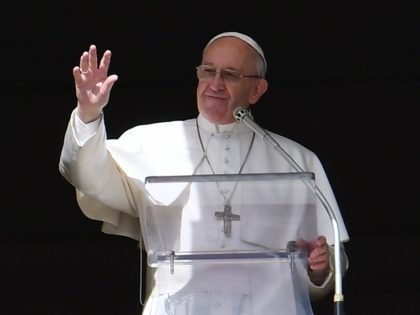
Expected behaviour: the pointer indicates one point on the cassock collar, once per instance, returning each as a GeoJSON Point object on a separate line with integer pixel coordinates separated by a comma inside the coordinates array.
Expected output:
{"type": "Point", "coordinates": [234, 127]}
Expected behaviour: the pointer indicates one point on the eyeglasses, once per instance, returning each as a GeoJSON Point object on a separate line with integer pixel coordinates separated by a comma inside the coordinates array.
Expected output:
{"type": "Point", "coordinates": [229, 76]}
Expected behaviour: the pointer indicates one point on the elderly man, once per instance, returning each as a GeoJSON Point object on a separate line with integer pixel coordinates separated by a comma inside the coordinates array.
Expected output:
{"type": "Point", "coordinates": [109, 177]}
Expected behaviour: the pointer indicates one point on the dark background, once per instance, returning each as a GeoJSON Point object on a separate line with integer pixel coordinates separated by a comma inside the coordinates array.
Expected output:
{"type": "Point", "coordinates": [343, 81]}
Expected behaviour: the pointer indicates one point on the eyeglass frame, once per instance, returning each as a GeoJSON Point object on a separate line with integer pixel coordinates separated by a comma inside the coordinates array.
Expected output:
{"type": "Point", "coordinates": [237, 74]}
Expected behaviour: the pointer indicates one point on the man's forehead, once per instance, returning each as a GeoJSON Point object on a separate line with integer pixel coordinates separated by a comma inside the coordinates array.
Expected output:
{"type": "Point", "coordinates": [247, 39]}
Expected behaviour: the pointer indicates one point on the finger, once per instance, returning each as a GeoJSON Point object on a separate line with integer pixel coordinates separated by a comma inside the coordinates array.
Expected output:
{"type": "Point", "coordinates": [320, 262]}
{"type": "Point", "coordinates": [321, 240]}
{"type": "Point", "coordinates": [93, 59]}
{"type": "Point", "coordinates": [318, 266]}
{"type": "Point", "coordinates": [318, 259]}
{"type": "Point", "coordinates": [79, 77]}
{"type": "Point", "coordinates": [84, 62]}
{"type": "Point", "coordinates": [105, 62]}
{"type": "Point", "coordinates": [77, 73]}
{"type": "Point", "coordinates": [318, 253]}
{"type": "Point", "coordinates": [108, 84]}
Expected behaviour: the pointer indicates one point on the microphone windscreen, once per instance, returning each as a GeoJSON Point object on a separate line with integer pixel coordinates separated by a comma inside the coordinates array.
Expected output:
{"type": "Point", "coordinates": [240, 112]}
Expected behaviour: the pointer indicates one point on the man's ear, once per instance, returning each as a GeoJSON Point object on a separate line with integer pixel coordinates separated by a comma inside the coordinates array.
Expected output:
{"type": "Point", "coordinates": [259, 89]}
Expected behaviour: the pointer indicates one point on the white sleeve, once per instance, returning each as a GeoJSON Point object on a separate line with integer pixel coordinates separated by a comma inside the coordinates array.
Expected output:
{"type": "Point", "coordinates": [104, 192]}
{"type": "Point", "coordinates": [82, 131]}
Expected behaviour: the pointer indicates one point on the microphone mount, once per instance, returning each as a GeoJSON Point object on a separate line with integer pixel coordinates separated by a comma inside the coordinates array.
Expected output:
{"type": "Point", "coordinates": [242, 114]}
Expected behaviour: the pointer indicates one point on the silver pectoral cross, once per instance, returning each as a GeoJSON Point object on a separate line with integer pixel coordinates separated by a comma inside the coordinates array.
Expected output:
{"type": "Point", "coordinates": [227, 217]}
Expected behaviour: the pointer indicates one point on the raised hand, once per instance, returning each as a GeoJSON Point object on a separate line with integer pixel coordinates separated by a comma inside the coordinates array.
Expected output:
{"type": "Point", "coordinates": [93, 85]}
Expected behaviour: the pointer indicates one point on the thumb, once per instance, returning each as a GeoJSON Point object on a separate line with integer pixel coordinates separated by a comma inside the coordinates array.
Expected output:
{"type": "Point", "coordinates": [108, 84]}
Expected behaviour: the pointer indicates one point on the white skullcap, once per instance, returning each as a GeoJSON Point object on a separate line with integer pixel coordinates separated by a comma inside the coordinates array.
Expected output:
{"type": "Point", "coordinates": [246, 39]}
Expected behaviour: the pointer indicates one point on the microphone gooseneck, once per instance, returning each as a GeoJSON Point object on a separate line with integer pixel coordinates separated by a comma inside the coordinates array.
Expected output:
{"type": "Point", "coordinates": [243, 115]}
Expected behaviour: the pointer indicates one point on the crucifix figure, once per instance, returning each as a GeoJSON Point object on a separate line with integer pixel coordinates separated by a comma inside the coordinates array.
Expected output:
{"type": "Point", "coordinates": [227, 217]}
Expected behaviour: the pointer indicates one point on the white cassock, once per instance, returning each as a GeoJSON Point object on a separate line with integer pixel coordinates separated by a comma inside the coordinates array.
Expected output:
{"type": "Point", "coordinates": [109, 179]}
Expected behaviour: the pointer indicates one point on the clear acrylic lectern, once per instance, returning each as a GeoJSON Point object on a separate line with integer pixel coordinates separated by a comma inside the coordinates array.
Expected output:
{"type": "Point", "coordinates": [226, 244]}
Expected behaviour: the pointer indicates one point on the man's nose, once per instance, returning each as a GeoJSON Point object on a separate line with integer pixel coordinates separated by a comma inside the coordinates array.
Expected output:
{"type": "Point", "coordinates": [217, 82]}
